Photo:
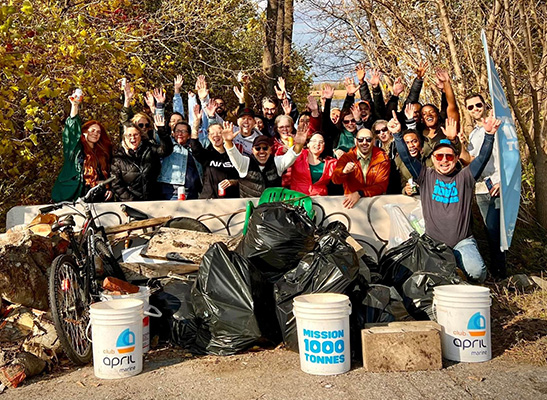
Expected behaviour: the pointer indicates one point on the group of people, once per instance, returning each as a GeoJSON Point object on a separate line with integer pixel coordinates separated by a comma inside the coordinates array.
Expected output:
{"type": "Point", "coordinates": [365, 148]}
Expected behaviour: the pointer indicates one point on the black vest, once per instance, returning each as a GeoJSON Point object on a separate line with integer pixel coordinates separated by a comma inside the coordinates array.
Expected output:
{"type": "Point", "coordinates": [256, 180]}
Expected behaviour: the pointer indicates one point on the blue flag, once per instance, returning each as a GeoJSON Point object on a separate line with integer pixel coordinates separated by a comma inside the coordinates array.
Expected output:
{"type": "Point", "coordinates": [509, 154]}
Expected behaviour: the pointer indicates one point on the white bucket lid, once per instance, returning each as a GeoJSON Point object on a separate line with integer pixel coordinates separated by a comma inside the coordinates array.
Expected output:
{"type": "Point", "coordinates": [321, 300]}
{"type": "Point", "coordinates": [461, 291]}
{"type": "Point", "coordinates": [113, 307]}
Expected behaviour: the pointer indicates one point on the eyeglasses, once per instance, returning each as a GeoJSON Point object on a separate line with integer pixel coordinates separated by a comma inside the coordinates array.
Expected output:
{"type": "Point", "coordinates": [317, 141]}
{"type": "Point", "coordinates": [181, 131]}
{"type": "Point", "coordinates": [383, 130]}
{"type": "Point", "coordinates": [441, 156]}
{"type": "Point", "coordinates": [141, 125]}
{"type": "Point", "coordinates": [362, 139]}
{"type": "Point", "coordinates": [284, 127]}
{"type": "Point", "coordinates": [470, 107]}
{"type": "Point", "coordinates": [263, 148]}
{"type": "Point", "coordinates": [349, 121]}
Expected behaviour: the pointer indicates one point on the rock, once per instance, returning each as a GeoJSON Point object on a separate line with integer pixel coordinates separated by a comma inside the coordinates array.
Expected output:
{"type": "Point", "coordinates": [24, 260]}
{"type": "Point", "coordinates": [519, 282]}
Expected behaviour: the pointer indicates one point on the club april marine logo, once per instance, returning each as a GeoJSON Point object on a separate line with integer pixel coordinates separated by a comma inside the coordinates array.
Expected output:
{"type": "Point", "coordinates": [126, 342]}
{"type": "Point", "coordinates": [477, 325]}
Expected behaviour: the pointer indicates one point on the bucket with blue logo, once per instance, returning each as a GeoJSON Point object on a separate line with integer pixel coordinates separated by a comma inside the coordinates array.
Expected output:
{"type": "Point", "coordinates": [463, 311]}
{"type": "Point", "coordinates": [117, 338]}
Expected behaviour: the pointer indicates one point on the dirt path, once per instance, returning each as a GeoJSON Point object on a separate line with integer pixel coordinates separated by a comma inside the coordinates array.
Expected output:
{"type": "Point", "coordinates": [275, 374]}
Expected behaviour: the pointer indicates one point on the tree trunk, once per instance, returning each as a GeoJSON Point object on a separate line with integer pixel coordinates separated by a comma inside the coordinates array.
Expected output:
{"type": "Point", "coordinates": [279, 28]}
{"type": "Point", "coordinates": [541, 188]}
{"type": "Point", "coordinates": [287, 36]}
{"type": "Point", "coordinates": [268, 57]}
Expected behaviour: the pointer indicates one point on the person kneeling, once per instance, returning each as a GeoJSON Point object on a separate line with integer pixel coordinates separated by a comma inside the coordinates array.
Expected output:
{"type": "Point", "coordinates": [262, 170]}
{"type": "Point", "coordinates": [446, 193]}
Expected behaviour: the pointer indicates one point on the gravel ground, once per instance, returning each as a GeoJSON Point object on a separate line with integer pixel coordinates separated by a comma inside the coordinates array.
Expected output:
{"type": "Point", "coordinates": [275, 374]}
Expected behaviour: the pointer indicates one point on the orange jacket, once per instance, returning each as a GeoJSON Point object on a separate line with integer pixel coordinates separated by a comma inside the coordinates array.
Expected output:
{"type": "Point", "coordinates": [377, 173]}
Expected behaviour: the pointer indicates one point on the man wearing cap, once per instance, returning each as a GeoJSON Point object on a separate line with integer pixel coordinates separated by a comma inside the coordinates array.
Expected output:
{"type": "Point", "coordinates": [247, 132]}
{"type": "Point", "coordinates": [446, 193]}
{"type": "Point", "coordinates": [262, 169]}
{"type": "Point", "coordinates": [364, 170]}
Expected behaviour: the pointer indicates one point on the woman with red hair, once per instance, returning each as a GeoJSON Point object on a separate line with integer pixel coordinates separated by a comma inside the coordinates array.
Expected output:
{"type": "Point", "coordinates": [87, 152]}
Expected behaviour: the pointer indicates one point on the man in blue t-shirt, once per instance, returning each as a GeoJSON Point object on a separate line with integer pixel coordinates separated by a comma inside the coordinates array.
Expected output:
{"type": "Point", "coordinates": [446, 193]}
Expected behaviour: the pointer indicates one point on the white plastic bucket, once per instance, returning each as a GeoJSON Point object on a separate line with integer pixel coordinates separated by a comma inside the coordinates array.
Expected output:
{"type": "Point", "coordinates": [117, 338]}
{"type": "Point", "coordinates": [322, 321]}
{"type": "Point", "coordinates": [463, 311]}
{"type": "Point", "coordinates": [149, 311]}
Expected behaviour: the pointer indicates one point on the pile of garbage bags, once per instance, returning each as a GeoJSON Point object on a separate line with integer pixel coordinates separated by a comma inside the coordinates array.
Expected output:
{"type": "Point", "coordinates": [242, 298]}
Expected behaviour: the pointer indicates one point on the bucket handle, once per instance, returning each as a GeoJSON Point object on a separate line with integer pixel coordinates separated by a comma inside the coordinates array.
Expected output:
{"type": "Point", "coordinates": [87, 331]}
{"type": "Point", "coordinates": [156, 313]}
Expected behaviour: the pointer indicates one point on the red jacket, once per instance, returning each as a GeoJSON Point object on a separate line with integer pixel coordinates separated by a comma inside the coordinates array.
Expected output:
{"type": "Point", "coordinates": [301, 176]}
{"type": "Point", "coordinates": [377, 173]}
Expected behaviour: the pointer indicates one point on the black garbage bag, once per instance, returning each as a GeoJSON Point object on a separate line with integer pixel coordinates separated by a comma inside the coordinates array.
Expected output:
{"type": "Point", "coordinates": [178, 322]}
{"type": "Point", "coordinates": [432, 260]}
{"type": "Point", "coordinates": [277, 238]}
{"type": "Point", "coordinates": [418, 292]}
{"type": "Point", "coordinates": [223, 303]}
{"type": "Point", "coordinates": [330, 268]}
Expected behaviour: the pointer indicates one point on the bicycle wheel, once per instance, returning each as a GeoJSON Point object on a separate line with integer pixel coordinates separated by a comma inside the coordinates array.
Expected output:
{"type": "Point", "coordinates": [70, 309]}
{"type": "Point", "coordinates": [110, 264]}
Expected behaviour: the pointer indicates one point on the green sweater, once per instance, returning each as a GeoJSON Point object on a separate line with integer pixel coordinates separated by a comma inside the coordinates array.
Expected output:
{"type": "Point", "coordinates": [70, 183]}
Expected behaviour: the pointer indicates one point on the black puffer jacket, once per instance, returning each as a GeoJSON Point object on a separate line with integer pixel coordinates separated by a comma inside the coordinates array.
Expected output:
{"type": "Point", "coordinates": [136, 172]}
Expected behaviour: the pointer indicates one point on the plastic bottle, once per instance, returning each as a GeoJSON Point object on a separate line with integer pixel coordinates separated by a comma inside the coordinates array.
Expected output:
{"type": "Point", "coordinates": [415, 224]}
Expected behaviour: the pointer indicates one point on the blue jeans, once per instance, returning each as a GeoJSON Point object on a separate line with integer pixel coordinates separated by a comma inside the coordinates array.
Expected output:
{"type": "Point", "coordinates": [490, 211]}
{"type": "Point", "coordinates": [470, 260]}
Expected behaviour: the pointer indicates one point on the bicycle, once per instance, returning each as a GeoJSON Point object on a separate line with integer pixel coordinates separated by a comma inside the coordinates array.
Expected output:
{"type": "Point", "coordinates": [73, 283]}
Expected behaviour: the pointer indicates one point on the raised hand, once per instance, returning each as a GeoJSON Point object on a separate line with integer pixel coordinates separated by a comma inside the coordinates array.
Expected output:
{"type": "Point", "coordinates": [159, 120]}
{"type": "Point", "coordinates": [159, 95]}
{"type": "Point", "coordinates": [280, 90]}
{"type": "Point", "coordinates": [76, 98]}
{"type": "Point", "coordinates": [239, 94]}
{"type": "Point", "coordinates": [201, 87]}
{"type": "Point", "coordinates": [210, 109]}
{"type": "Point", "coordinates": [409, 111]}
{"type": "Point", "coordinates": [286, 106]}
{"type": "Point", "coordinates": [328, 91]}
{"type": "Point", "coordinates": [312, 105]}
{"type": "Point", "coordinates": [394, 126]}
{"type": "Point", "coordinates": [351, 87]}
{"type": "Point", "coordinates": [360, 71]}
{"type": "Point", "coordinates": [375, 76]}
{"type": "Point", "coordinates": [398, 87]}
{"type": "Point", "coordinates": [491, 124]}
{"type": "Point", "coordinates": [301, 134]}
{"type": "Point", "coordinates": [228, 131]}
{"type": "Point", "coordinates": [421, 68]}
{"type": "Point", "coordinates": [178, 83]}
{"type": "Point", "coordinates": [451, 128]}
{"type": "Point", "coordinates": [198, 112]}
{"type": "Point", "coordinates": [441, 77]}
{"type": "Point", "coordinates": [339, 153]}
{"type": "Point", "coordinates": [128, 92]}
{"type": "Point", "coordinates": [149, 100]}
{"type": "Point", "coordinates": [356, 112]}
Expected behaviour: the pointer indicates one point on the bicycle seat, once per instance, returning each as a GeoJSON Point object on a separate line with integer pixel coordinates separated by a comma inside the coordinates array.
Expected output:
{"type": "Point", "coordinates": [132, 213]}
{"type": "Point", "coordinates": [68, 221]}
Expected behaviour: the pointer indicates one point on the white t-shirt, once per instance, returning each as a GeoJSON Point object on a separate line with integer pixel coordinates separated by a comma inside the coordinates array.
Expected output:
{"type": "Point", "coordinates": [476, 137]}
{"type": "Point", "coordinates": [245, 143]}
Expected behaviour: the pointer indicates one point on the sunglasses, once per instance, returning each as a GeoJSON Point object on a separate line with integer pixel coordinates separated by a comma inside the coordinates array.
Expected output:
{"type": "Point", "coordinates": [263, 148]}
{"type": "Point", "coordinates": [349, 121]}
{"type": "Point", "coordinates": [441, 156]}
{"type": "Point", "coordinates": [383, 130]}
{"type": "Point", "coordinates": [141, 125]}
{"type": "Point", "coordinates": [362, 139]}
{"type": "Point", "coordinates": [470, 107]}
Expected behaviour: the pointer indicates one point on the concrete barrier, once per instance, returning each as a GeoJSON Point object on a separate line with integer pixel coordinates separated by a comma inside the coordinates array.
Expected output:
{"type": "Point", "coordinates": [366, 218]}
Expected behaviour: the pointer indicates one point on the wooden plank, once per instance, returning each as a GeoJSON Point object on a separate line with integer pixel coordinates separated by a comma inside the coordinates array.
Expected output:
{"type": "Point", "coordinates": [138, 271]}
{"type": "Point", "coordinates": [189, 245]}
{"type": "Point", "coordinates": [147, 223]}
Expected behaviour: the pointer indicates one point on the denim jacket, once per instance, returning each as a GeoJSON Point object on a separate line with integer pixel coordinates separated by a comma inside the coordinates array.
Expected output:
{"type": "Point", "coordinates": [173, 168]}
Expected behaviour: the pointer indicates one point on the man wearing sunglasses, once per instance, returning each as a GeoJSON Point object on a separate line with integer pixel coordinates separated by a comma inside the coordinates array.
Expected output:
{"type": "Point", "coordinates": [363, 171]}
{"type": "Point", "coordinates": [262, 169]}
{"type": "Point", "coordinates": [487, 189]}
{"type": "Point", "coordinates": [446, 193]}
